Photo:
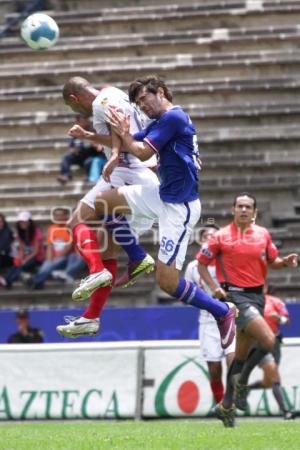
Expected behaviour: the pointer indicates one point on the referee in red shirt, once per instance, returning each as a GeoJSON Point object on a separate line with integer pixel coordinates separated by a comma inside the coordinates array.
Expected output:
{"type": "Point", "coordinates": [243, 251]}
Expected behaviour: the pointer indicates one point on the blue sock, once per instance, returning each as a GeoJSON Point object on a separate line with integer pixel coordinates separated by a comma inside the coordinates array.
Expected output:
{"type": "Point", "coordinates": [190, 294]}
{"type": "Point", "coordinates": [125, 238]}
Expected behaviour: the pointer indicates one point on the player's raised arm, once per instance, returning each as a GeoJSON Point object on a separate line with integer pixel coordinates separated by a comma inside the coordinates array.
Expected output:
{"type": "Point", "coordinates": [114, 158]}
{"type": "Point", "coordinates": [78, 132]}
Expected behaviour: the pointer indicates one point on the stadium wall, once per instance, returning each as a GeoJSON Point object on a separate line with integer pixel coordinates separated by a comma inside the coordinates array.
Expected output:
{"type": "Point", "coordinates": [121, 380]}
{"type": "Point", "coordinates": [131, 324]}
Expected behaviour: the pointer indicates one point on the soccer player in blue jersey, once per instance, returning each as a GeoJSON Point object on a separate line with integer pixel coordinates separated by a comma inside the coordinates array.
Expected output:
{"type": "Point", "coordinates": [175, 202]}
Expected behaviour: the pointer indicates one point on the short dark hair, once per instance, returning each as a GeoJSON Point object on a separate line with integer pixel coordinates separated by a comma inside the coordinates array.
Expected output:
{"type": "Point", "coordinates": [61, 209]}
{"type": "Point", "coordinates": [152, 83]}
{"type": "Point", "coordinates": [245, 194]}
{"type": "Point", "coordinates": [2, 216]}
{"type": "Point", "coordinates": [22, 314]}
{"type": "Point", "coordinates": [206, 227]}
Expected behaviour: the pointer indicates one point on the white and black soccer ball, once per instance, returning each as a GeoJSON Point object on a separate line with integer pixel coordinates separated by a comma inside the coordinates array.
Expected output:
{"type": "Point", "coordinates": [39, 31]}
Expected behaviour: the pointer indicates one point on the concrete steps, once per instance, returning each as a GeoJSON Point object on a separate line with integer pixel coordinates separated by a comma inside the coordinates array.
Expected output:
{"type": "Point", "coordinates": [233, 65]}
{"type": "Point", "coordinates": [189, 66]}
{"type": "Point", "coordinates": [171, 42]}
{"type": "Point", "coordinates": [57, 295]}
{"type": "Point", "coordinates": [152, 18]}
{"type": "Point", "coordinates": [233, 91]}
{"type": "Point", "coordinates": [203, 116]}
{"type": "Point", "coordinates": [15, 172]}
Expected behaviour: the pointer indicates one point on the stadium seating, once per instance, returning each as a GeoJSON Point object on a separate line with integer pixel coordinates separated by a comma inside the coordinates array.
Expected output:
{"type": "Point", "coordinates": [234, 66]}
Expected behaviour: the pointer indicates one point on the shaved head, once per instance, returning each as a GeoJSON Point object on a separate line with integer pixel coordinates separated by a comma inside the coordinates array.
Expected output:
{"type": "Point", "coordinates": [79, 94]}
{"type": "Point", "coordinates": [75, 86]}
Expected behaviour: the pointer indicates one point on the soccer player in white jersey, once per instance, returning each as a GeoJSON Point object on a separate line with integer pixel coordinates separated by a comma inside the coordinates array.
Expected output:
{"type": "Point", "coordinates": [210, 345]}
{"type": "Point", "coordinates": [122, 169]}
{"type": "Point", "coordinates": [175, 202]}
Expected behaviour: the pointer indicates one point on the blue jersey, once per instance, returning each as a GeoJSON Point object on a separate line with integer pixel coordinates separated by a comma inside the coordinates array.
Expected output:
{"type": "Point", "coordinates": [173, 137]}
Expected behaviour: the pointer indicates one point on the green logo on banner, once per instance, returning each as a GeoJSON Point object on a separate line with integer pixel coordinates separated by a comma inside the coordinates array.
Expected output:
{"type": "Point", "coordinates": [190, 406]}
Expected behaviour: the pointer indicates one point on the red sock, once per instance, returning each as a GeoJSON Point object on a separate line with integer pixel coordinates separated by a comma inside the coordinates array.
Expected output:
{"type": "Point", "coordinates": [86, 241]}
{"type": "Point", "coordinates": [100, 296]}
{"type": "Point", "coordinates": [217, 390]}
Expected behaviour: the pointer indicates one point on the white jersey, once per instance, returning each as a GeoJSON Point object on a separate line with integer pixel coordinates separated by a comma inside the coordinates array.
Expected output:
{"type": "Point", "coordinates": [192, 274]}
{"type": "Point", "coordinates": [130, 169]}
{"type": "Point", "coordinates": [115, 98]}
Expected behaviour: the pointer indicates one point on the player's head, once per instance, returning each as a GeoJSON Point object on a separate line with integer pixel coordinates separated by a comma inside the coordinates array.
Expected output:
{"type": "Point", "coordinates": [244, 209]}
{"type": "Point", "coordinates": [79, 94]}
{"type": "Point", "coordinates": [151, 95]}
{"type": "Point", "coordinates": [207, 231]}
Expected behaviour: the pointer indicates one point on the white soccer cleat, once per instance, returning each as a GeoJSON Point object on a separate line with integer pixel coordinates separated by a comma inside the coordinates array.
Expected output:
{"type": "Point", "coordinates": [78, 326]}
{"type": "Point", "coordinates": [89, 284]}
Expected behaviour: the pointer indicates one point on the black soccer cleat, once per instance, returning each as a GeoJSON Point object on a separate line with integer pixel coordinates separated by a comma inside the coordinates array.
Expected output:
{"type": "Point", "coordinates": [226, 415]}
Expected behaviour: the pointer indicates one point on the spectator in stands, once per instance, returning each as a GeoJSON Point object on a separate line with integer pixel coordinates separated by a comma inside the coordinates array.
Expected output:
{"type": "Point", "coordinates": [60, 255]}
{"type": "Point", "coordinates": [31, 251]}
{"type": "Point", "coordinates": [243, 251]}
{"type": "Point", "coordinates": [6, 240]}
{"type": "Point", "coordinates": [81, 153]}
{"type": "Point", "coordinates": [210, 343]}
{"type": "Point", "coordinates": [25, 334]}
{"type": "Point", "coordinates": [275, 314]}
{"type": "Point", "coordinates": [96, 167]}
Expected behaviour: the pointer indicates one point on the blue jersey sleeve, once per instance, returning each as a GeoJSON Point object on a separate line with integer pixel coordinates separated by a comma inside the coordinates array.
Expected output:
{"type": "Point", "coordinates": [140, 135]}
{"type": "Point", "coordinates": [166, 129]}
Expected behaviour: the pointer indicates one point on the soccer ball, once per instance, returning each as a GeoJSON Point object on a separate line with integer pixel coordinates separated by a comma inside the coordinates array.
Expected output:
{"type": "Point", "coordinates": [39, 31]}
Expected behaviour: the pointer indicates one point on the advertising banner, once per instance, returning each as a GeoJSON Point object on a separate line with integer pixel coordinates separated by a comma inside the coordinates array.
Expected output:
{"type": "Point", "coordinates": [123, 380]}
{"type": "Point", "coordinates": [145, 323]}
{"type": "Point", "coordinates": [67, 383]}
{"type": "Point", "coordinates": [176, 383]}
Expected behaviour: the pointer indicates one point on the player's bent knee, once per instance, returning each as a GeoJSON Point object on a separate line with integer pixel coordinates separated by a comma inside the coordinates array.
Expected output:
{"type": "Point", "coordinates": [269, 342]}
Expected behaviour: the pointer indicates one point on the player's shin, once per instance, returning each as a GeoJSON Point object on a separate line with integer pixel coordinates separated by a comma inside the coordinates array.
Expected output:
{"type": "Point", "coordinates": [217, 390]}
{"type": "Point", "coordinates": [86, 241]}
{"type": "Point", "coordinates": [99, 297]}
{"type": "Point", "coordinates": [190, 294]}
{"type": "Point", "coordinates": [235, 368]}
{"type": "Point", "coordinates": [125, 237]}
{"type": "Point", "coordinates": [253, 360]}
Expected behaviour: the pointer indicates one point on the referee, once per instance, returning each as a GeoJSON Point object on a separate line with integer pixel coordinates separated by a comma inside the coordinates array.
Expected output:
{"type": "Point", "coordinates": [243, 252]}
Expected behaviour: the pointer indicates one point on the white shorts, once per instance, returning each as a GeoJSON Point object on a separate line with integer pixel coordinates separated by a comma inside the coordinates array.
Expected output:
{"type": "Point", "coordinates": [210, 341]}
{"type": "Point", "coordinates": [122, 176]}
{"type": "Point", "coordinates": [176, 221]}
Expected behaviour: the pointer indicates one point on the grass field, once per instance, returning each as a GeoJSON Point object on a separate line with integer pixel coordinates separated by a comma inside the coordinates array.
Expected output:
{"type": "Point", "coordinates": [263, 434]}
